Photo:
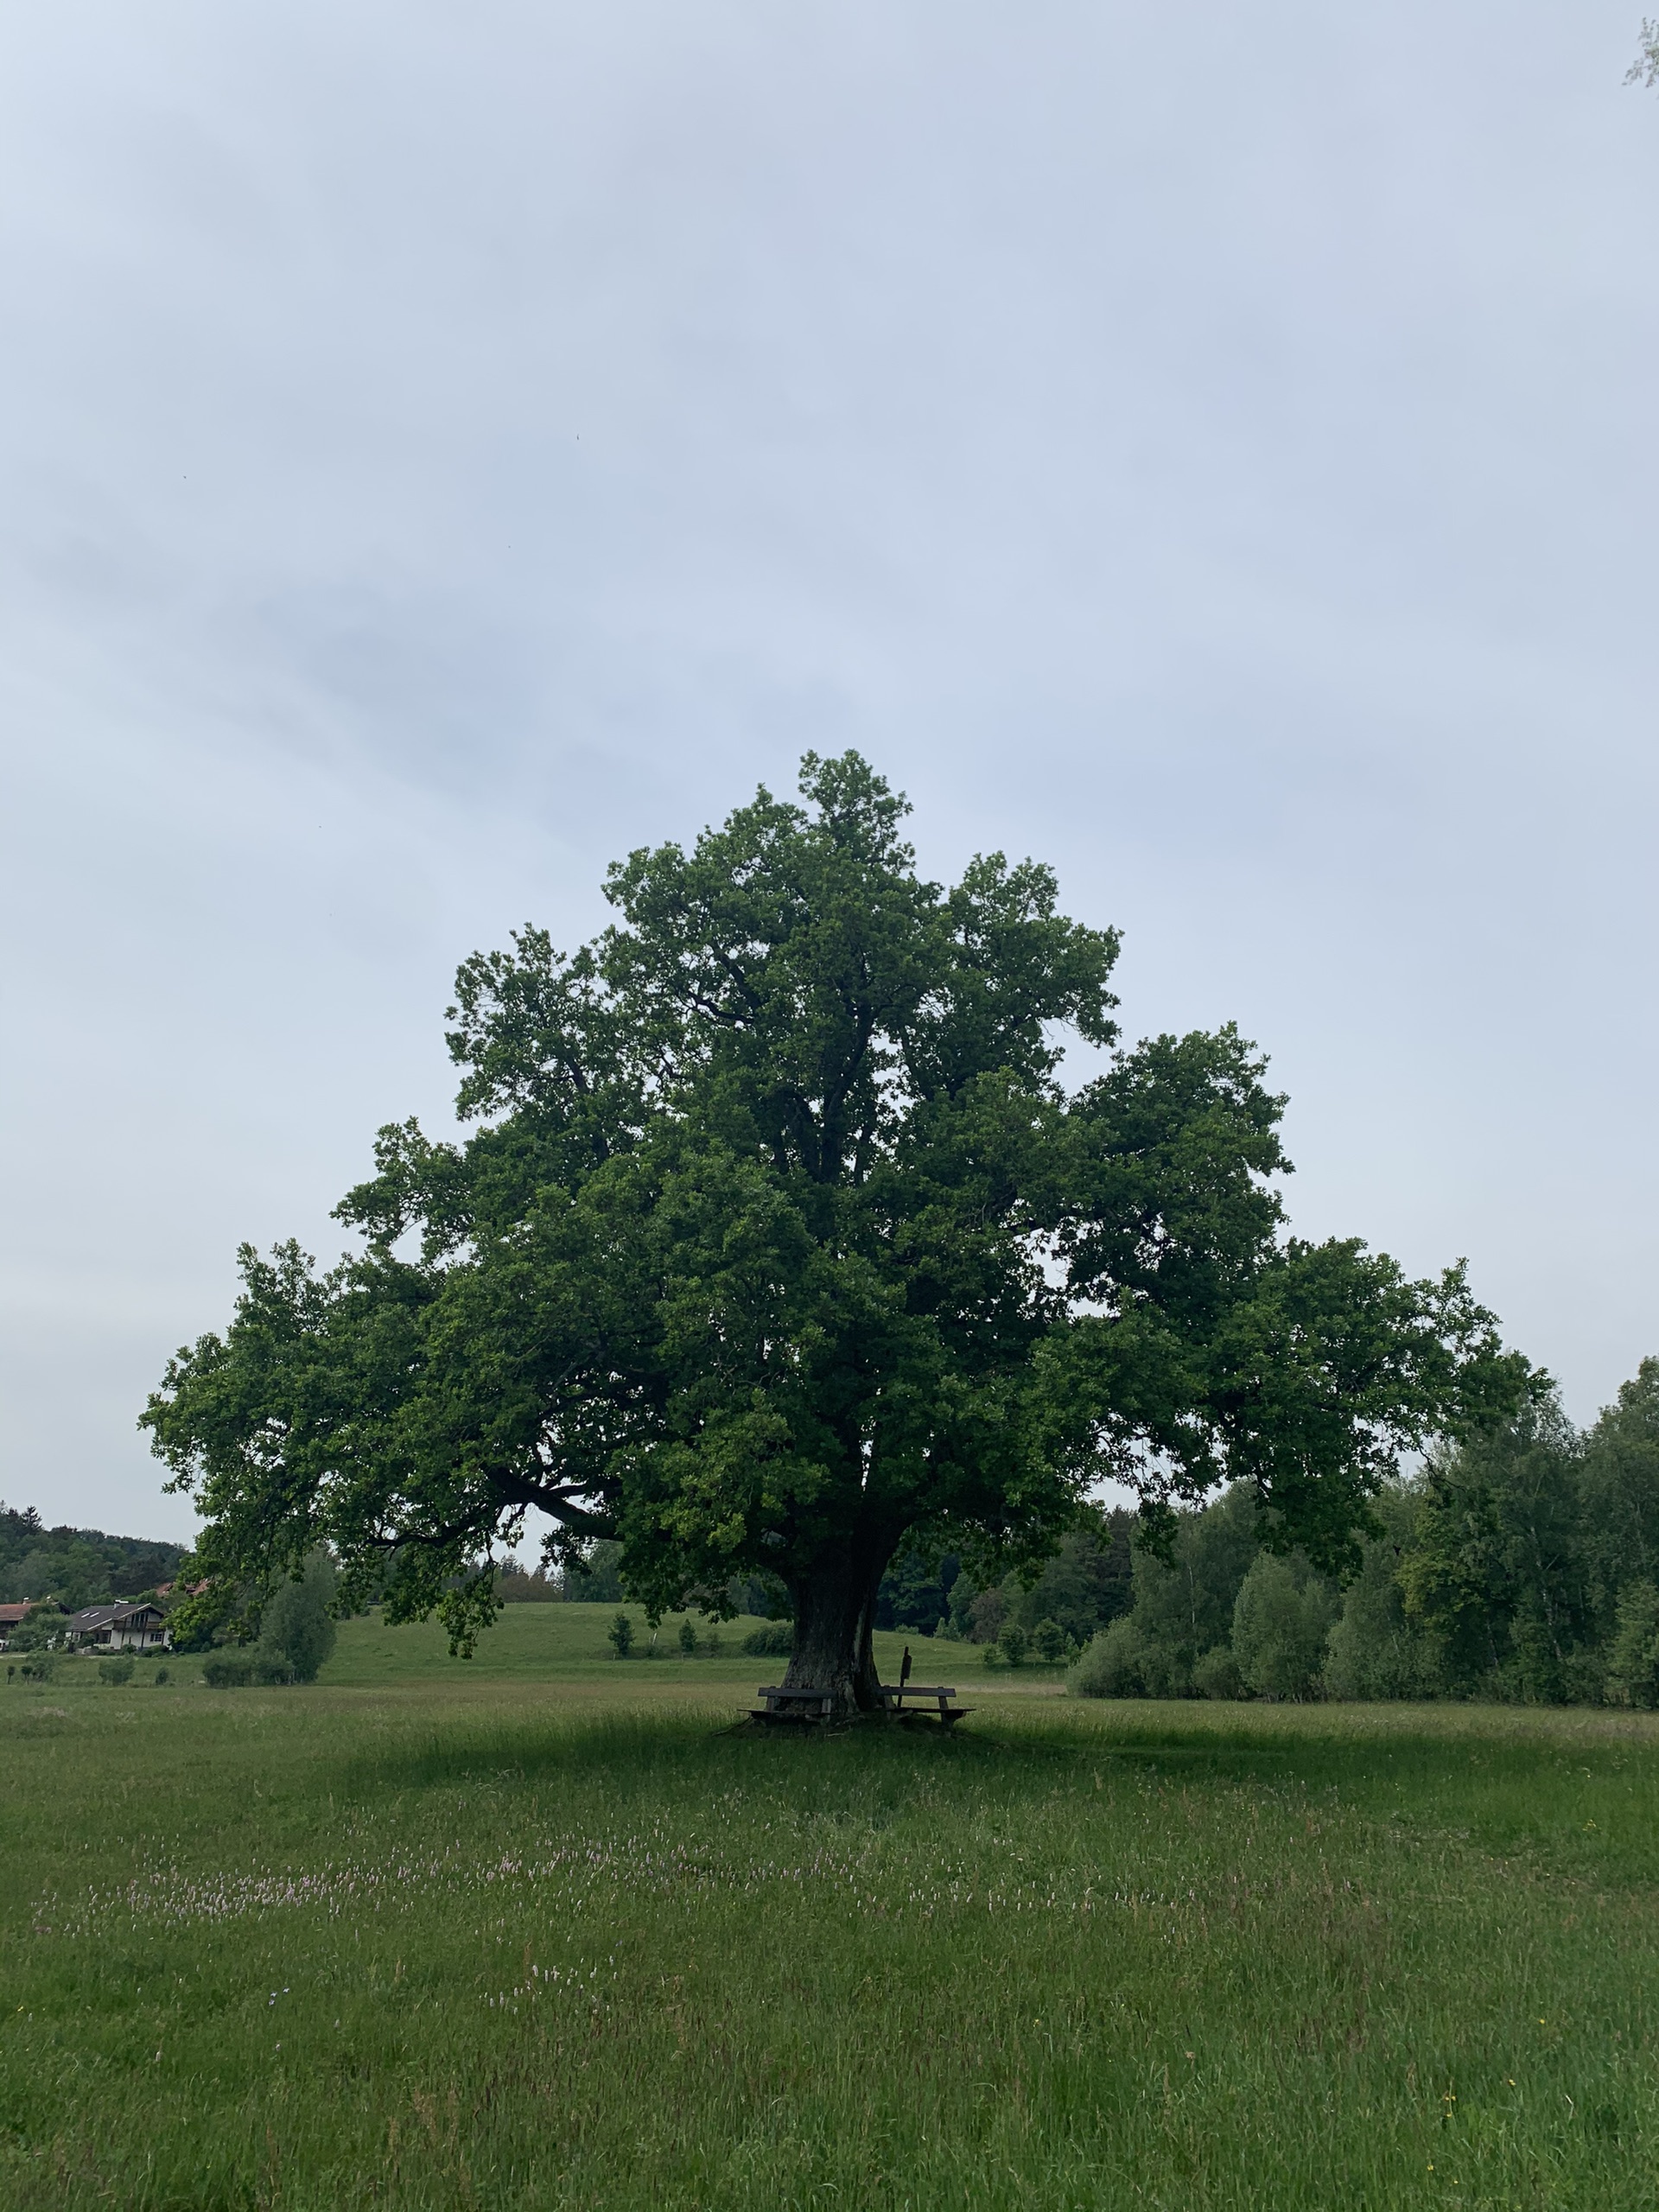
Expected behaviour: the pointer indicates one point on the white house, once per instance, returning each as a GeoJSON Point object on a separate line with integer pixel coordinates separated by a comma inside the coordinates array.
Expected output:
{"type": "Point", "coordinates": [118, 1628]}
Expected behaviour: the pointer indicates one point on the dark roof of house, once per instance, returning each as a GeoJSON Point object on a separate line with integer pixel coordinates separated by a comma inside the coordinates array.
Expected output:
{"type": "Point", "coordinates": [107, 1615]}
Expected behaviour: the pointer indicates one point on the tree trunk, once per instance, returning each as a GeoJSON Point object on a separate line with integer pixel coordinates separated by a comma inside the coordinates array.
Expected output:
{"type": "Point", "coordinates": [865, 1681]}
{"type": "Point", "coordinates": [835, 1613]}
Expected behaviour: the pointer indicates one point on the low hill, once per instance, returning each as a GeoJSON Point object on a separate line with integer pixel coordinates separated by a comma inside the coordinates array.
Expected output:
{"type": "Point", "coordinates": [79, 1567]}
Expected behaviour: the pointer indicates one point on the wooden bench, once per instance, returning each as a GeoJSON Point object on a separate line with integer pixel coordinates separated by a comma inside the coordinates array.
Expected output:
{"type": "Point", "coordinates": [948, 1714]}
{"type": "Point", "coordinates": [794, 1708]}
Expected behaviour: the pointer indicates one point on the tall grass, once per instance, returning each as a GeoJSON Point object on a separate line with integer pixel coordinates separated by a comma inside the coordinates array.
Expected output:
{"type": "Point", "coordinates": [506, 1944]}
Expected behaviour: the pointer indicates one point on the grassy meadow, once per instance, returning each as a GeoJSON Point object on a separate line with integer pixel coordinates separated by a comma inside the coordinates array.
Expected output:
{"type": "Point", "coordinates": [566, 1645]}
{"type": "Point", "coordinates": [537, 1931]}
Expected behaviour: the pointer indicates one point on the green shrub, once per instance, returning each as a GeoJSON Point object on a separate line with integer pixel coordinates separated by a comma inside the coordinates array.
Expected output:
{"type": "Point", "coordinates": [297, 1632]}
{"type": "Point", "coordinates": [687, 1641]}
{"type": "Point", "coordinates": [1216, 1674]}
{"type": "Point", "coordinates": [620, 1635]}
{"type": "Point", "coordinates": [1281, 1619]}
{"type": "Point", "coordinates": [1633, 1659]}
{"type": "Point", "coordinates": [713, 1643]}
{"type": "Point", "coordinates": [1110, 1663]}
{"type": "Point", "coordinates": [161, 1677]}
{"type": "Point", "coordinates": [1049, 1641]}
{"type": "Point", "coordinates": [1014, 1642]}
{"type": "Point", "coordinates": [228, 1670]}
{"type": "Point", "coordinates": [116, 1668]}
{"type": "Point", "coordinates": [35, 1630]}
{"type": "Point", "coordinates": [776, 1640]}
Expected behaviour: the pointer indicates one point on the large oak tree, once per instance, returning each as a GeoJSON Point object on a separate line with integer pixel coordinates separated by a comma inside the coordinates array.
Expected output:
{"type": "Point", "coordinates": [782, 1238]}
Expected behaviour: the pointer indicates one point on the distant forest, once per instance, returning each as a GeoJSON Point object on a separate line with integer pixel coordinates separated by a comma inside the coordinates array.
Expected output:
{"type": "Point", "coordinates": [1523, 1566]}
{"type": "Point", "coordinates": [78, 1566]}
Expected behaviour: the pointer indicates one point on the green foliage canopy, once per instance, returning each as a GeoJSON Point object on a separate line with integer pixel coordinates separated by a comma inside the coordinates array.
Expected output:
{"type": "Point", "coordinates": [781, 1238]}
{"type": "Point", "coordinates": [1644, 70]}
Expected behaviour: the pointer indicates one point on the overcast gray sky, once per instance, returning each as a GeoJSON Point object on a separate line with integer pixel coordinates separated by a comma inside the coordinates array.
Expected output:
{"type": "Point", "coordinates": [442, 448]}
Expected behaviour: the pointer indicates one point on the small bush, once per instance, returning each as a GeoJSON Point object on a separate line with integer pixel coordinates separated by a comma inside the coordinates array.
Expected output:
{"type": "Point", "coordinates": [35, 1630]}
{"type": "Point", "coordinates": [1633, 1661]}
{"type": "Point", "coordinates": [234, 1670]}
{"type": "Point", "coordinates": [620, 1635]}
{"type": "Point", "coordinates": [1281, 1619]}
{"type": "Point", "coordinates": [713, 1643]}
{"type": "Point", "coordinates": [687, 1641]}
{"type": "Point", "coordinates": [162, 1676]}
{"type": "Point", "coordinates": [1109, 1665]}
{"type": "Point", "coordinates": [116, 1668]}
{"type": "Point", "coordinates": [986, 1615]}
{"type": "Point", "coordinates": [776, 1640]}
{"type": "Point", "coordinates": [1049, 1641]}
{"type": "Point", "coordinates": [298, 1630]}
{"type": "Point", "coordinates": [1216, 1674]}
{"type": "Point", "coordinates": [1014, 1643]}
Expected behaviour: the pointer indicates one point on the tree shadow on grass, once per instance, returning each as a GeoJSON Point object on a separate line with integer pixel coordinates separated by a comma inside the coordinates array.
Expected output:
{"type": "Point", "coordinates": [648, 1752]}
{"type": "Point", "coordinates": [1585, 1806]}
{"type": "Point", "coordinates": [876, 1772]}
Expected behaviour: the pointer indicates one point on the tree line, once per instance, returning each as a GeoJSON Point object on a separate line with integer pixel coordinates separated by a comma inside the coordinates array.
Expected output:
{"type": "Point", "coordinates": [1522, 1565]}
{"type": "Point", "coordinates": [76, 1567]}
